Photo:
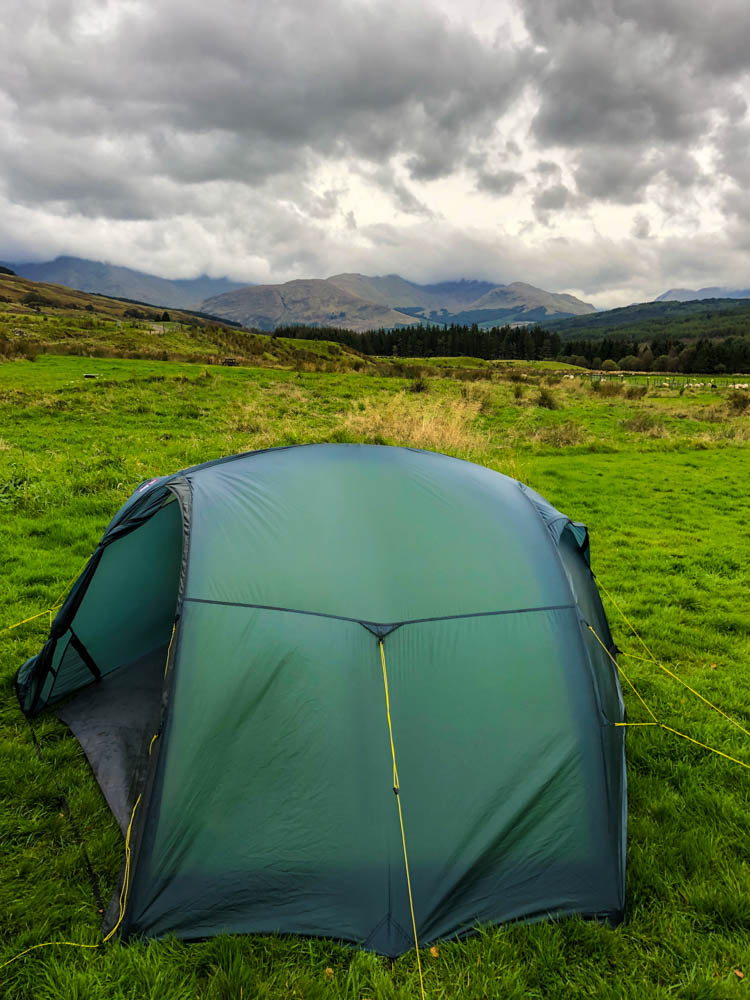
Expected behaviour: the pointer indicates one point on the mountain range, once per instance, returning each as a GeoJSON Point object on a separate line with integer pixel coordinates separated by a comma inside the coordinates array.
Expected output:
{"type": "Point", "coordinates": [354, 301]}
{"type": "Point", "coordinates": [359, 302]}
{"type": "Point", "coordinates": [124, 282]}
{"type": "Point", "coordinates": [713, 292]}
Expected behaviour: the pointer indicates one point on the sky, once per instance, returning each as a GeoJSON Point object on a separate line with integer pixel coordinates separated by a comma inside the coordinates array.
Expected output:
{"type": "Point", "coordinates": [599, 147]}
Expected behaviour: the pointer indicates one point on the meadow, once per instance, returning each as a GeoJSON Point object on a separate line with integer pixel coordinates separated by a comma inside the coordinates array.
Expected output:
{"type": "Point", "coordinates": [659, 476]}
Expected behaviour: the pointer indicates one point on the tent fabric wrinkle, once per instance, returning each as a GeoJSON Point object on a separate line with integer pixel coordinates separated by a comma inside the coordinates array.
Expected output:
{"type": "Point", "coordinates": [238, 608]}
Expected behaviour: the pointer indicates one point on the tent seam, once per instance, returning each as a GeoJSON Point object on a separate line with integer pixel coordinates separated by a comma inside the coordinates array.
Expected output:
{"type": "Point", "coordinates": [166, 697]}
{"type": "Point", "coordinates": [389, 625]}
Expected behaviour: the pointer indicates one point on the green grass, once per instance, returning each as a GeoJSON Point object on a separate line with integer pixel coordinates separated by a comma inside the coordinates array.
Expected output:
{"type": "Point", "coordinates": [463, 362]}
{"type": "Point", "coordinates": [662, 483]}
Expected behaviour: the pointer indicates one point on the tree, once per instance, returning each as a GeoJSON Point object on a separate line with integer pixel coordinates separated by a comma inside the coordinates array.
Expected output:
{"type": "Point", "coordinates": [645, 359]}
{"type": "Point", "coordinates": [629, 363]}
{"type": "Point", "coordinates": [609, 365]}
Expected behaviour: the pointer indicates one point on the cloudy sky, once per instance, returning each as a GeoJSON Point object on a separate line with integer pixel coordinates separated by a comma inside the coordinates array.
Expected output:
{"type": "Point", "coordinates": [599, 147]}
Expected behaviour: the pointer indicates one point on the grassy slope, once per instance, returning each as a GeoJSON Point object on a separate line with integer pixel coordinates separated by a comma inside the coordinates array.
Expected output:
{"type": "Point", "coordinates": [70, 322]}
{"type": "Point", "coordinates": [659, 481]}
{"type": "Point", "coordinates": [14, 289]}
{"type": "Point", "coordinates": [464, 362]}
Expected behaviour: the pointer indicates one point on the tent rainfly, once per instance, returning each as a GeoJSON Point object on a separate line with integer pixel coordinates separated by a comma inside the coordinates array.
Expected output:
{"type": "Point", "coordinates": [226, 658]}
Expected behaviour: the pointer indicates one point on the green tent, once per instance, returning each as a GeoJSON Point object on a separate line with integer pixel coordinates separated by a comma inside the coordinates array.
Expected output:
{"type": "Point", "coordinates": [254, 612]}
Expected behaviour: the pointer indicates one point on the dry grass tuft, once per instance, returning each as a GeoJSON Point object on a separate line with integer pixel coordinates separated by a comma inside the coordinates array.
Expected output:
{"type": "Point", "coordinates": [559, 435]}
{"type": "Point", "coordinates": [414, 420]}
{"type": "Point", "coordinates": [547, 400]}
{"type": "Point", "coordinates": [635, 392]}
{"type": "Point", "coordinates": [645, 423]}
{"type": "Point", "coordinates": [607, 388]}
{"type": "Point", "coordinates": [435, 424]}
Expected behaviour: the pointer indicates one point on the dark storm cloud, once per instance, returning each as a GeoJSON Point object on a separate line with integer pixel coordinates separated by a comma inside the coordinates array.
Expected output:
{"type": "Point", "coordinates": [235, 91]}
{"type": "Point", "coordinates": [552, 198]}
{"type": "Point", "coordinates": [499, 182]}
{"type": "Point", "coordinates": [734, 152]}
{"type": "Point", "coordinates": [385, 178]}
{"type": "Point", "coordinates": [549, 200]}
{"type": "Point", "coordinates": [238, 136]}
{"type": "Point", "coordinates": [631, 87]}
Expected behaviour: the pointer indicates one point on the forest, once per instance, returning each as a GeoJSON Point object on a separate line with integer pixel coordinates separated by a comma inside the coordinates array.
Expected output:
{"type": "Point", "coordinates": [664, 353]}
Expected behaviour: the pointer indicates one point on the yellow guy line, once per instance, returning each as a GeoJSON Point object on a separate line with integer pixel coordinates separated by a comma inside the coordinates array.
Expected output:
{"type": "Point", "coordinates": [661, 724]}
{"type": "Point", "coordinates": [625, 618]}
{"type": "Point", "coordinates": [47, 611]}
{"type": "Point", "coordinates": [9, 628]}
{"type": "Point", "coordinates": [652, 659]}
{"type": "Point", "coordinates": [397, 790]}
{"type": "Point", "coordinates": [705, 746]}
{"type": "Point", "coordinates": [692, 691]}
{"type": "Point", "coordinates": [123, 891]}
{"type": "Point", "coordinates": [46, 944]}
{"type": "Point", "coordinates": [619, 668]}
{"type": "Point", "coordinates": [123, 900]}
{"type": "Point", "coordinates": [169, 650]}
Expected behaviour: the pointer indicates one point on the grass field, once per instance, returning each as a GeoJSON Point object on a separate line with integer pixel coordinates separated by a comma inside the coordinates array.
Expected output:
{"type": "Point", "coordinates": [661, 480]}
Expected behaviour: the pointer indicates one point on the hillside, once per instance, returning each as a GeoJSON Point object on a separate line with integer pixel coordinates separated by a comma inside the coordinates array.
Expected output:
{"type": "Point", "coordinates": [124, 282]}
{"type": "Point", "coordinates": [37, 318]}
{"type": "Point", "coordinates": [312, 302]}
{"type": "Point", "coordinates": [359, 302]}
{"type": "Point", "coordinates": [398, 293]}
{"type": "Point", "coordinates": [666, 319]}
{"type": "Point", "coordinates": [520, 294]}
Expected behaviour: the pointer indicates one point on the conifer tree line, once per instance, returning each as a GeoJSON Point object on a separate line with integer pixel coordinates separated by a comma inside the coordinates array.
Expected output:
{"type": "Point", "coordinates": [731, 354]}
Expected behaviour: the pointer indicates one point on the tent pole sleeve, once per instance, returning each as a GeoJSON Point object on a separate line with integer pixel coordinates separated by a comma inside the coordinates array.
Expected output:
{"type": "Point", "coordinates": [87, 658]}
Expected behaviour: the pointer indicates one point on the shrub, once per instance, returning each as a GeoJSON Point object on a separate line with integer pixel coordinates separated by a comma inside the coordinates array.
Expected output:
{"type": "Point", "coordinates": [610, 388]}
{"type": "Point", "coordinates": [738, 401]}
{"type": "Point", "coordinates": [644, 423]}
{"type": "Point", "coordinates": [560, 435]}
{"type": "Point", "coordinates": [547, 400]}
{"type": "Point", "coordinates": [635, 392]}
{"type": "Point", "coordinates": [518, 391]}
{"type": "Point", "coordinates": [36, 301]}
{"type": "Point", "coordinates": [419, 385]}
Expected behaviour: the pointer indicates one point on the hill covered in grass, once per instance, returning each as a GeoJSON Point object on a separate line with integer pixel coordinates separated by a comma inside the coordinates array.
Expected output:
{"type": "Point", "coordinates": [38, 318]}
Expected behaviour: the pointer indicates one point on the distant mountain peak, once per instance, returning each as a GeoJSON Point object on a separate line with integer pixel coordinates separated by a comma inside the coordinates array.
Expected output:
{"type": "Point", "coordinates": [362, 302]}
{"type": "Point", "coordinates": [710, 292]}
